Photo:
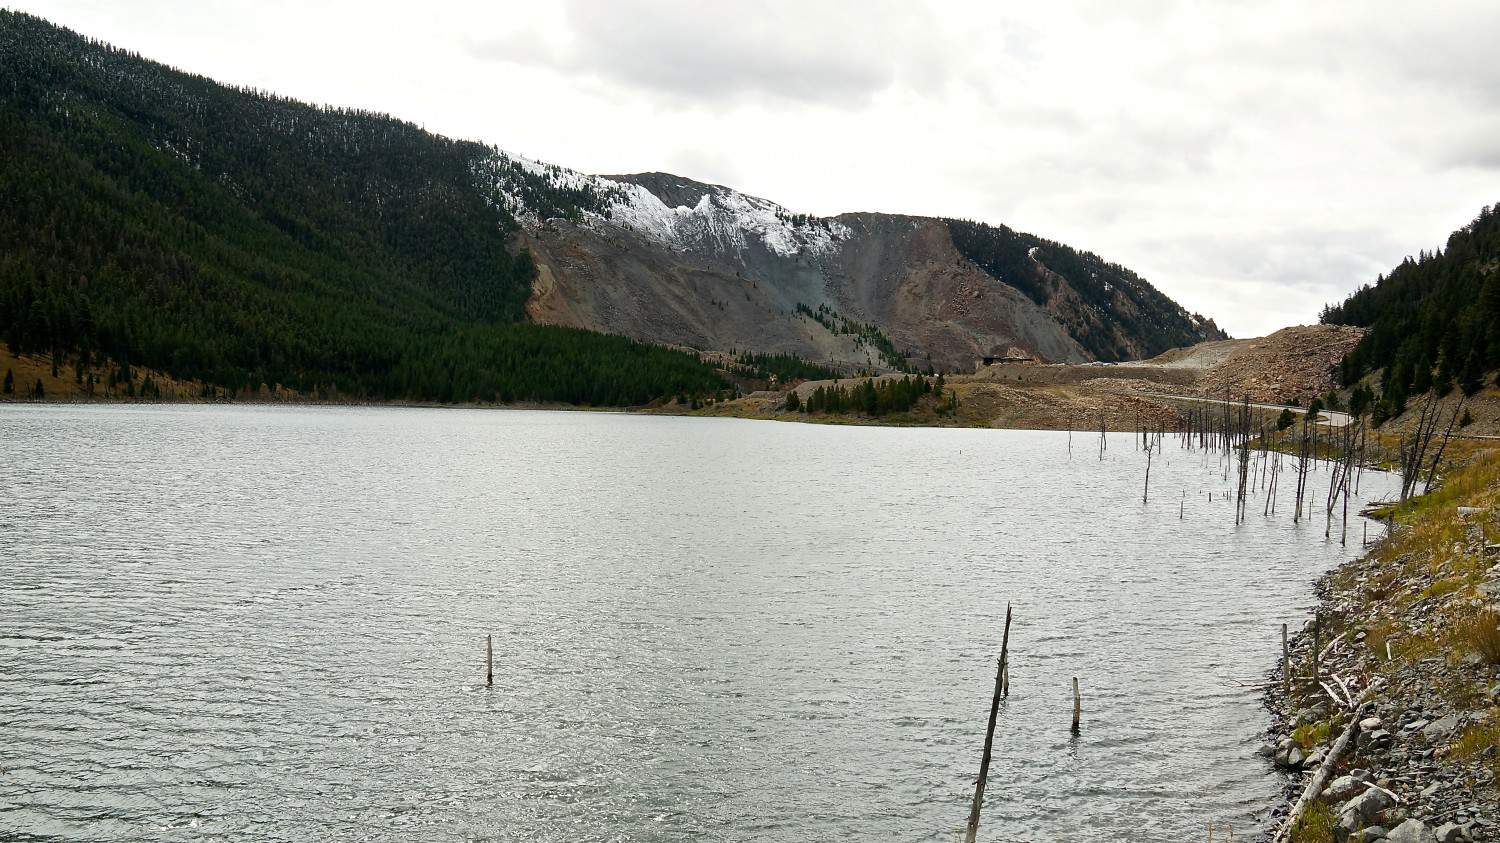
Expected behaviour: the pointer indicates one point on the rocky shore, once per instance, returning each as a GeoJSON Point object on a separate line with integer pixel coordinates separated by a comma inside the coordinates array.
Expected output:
{"type": "Point", "coordinates": [1400, 727]}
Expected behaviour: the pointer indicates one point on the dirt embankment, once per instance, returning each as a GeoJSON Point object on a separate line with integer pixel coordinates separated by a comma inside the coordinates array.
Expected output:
{"type": "Point", "coordinates": [980, 403]}
{"type": "Point", "coordinates": [1293, 364]}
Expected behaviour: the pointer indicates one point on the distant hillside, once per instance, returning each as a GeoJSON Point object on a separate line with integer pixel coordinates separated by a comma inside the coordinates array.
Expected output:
{"type": "Point", "coordinates": [668, 259]}
{"type": "Point", "coordinates": [1433, 322]}
{"type": "Point", "coordinates": [1111, 311]}
{"type": "Point", "coordinates": [240, 238]}
{"type": "Point", "coordinates": [225, 236]}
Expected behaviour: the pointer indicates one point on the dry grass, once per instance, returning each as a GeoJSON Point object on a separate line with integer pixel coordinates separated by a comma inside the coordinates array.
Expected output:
{"type": "Point", "coordinates": [1479, 739]}
{"type": "Point", "coordinates": [1380, 633]}
{"type": "Point", "coordinates": [1442, 587]}
{"type": "Point", "coordinates": [1315, 825]}
{"type": "Point", "coordinates": [1480, 633]}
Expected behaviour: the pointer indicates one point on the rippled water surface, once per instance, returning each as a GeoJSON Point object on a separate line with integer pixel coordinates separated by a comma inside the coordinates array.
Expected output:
{"type": "Point", "coordinates": [268, 624]}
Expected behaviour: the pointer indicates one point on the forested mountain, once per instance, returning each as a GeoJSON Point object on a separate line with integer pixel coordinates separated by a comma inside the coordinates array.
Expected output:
{"type": "Point", "coordinates": [241, 238]}
{"type": "Point", "coordinates": [156, 218]}
{"type": "Point", "coordinates": [1111, 311]}
{"type": "Point", "coordinates": [1434, 321]}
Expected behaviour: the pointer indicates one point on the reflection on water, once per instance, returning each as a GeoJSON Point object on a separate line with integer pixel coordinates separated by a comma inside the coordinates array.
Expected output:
{"type": "Point", "coordinates": [268, 624]}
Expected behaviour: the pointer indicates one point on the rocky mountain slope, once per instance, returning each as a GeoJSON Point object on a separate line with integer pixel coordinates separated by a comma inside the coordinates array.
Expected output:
{"type": "Point", "coordinates": [663, 258]}
{"type": "Point", "coordinates": [1298, 363]}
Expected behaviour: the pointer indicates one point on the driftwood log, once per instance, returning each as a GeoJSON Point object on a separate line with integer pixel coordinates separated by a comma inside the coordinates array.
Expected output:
{"type": "Point", "coordinates": [1316, 784]}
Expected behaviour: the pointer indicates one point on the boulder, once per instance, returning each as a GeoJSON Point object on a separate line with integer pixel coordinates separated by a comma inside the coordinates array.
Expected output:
{"type": "Point", "coordinates": [1449, 833]}
{"type": "Point", "coordinates": [1290, 755]}
{"type": "Point", "coordinates": [1341, 788]}
{"type": "Point", "coordinates": [1349, 824]}
{"type": "Point", "coordinates": [1366, 805]}
{"type": "Point", "coordinates": [1411, 831]}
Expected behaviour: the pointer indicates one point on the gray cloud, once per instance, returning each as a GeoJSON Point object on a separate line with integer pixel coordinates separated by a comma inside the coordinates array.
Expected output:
{"type": "Point", "coordinates": [694, 53]}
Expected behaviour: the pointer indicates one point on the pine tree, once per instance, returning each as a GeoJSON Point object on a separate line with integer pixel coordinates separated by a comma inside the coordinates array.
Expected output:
{"type": "Point", "coordinates": [10, 382]}
{"type": "Point", "coordinates": [1472, 379]}
{"type": "Point", "coordinates": [793, 403]}
{"type": "Point", "coordinates": [38, 392]}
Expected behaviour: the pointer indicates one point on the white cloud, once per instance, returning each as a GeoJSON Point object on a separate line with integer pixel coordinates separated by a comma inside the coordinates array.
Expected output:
{"type": "Point", "coordinates": [1253, 160]}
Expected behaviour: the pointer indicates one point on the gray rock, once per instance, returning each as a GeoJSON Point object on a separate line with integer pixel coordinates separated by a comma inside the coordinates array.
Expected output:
{"type": "Point", "coordinates": [1341, 788]}
{"type": "Point", "coordinates": [1440, 728]}
{"type": "Point", "coordinates": [1377, 740]}
{"type": "Point", "coordinates": [1449, 833]}
{"type": "Point", "coordinates": [1370, 724]}
{"type": "Point", "coordinates": [1411, 831]}
{"type": "Point", "coordinates": [1367, 804]}
{"type": "Point", "coordinates": [1349, 824]}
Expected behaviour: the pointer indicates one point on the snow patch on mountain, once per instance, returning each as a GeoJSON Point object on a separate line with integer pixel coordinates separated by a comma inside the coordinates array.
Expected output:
{"type": "Point", "coordinates": [723, 219]}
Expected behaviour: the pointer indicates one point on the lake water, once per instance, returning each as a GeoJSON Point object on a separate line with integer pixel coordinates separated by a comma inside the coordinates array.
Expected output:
{"type": "Point", "coordinates": [268, 624]}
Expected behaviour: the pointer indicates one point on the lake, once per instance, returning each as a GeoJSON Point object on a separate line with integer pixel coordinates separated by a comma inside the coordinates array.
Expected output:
{"type": "Point", "coordinates": [258, 623]}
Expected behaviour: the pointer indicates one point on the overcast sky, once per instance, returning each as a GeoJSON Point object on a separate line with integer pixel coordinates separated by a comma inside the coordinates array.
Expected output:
{"type": "Point", "coordinates": [1254, 161]}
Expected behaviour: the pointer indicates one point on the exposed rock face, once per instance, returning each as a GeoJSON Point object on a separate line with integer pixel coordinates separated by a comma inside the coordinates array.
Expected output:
{"type": "Point", "coordinates": [671, 260]}
{"type": "Point", "coordinates": [900, 274]}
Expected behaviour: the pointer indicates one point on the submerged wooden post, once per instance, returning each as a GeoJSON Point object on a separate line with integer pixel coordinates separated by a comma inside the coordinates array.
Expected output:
{"type": "Point", "coordinates": [489, 662]}
{"type": "Point", "coordinates": [1077, 705]}
{"type": "Point", "coordinates": [1286, 667]}
{"type": "Point", "coordinates": [989, 736]}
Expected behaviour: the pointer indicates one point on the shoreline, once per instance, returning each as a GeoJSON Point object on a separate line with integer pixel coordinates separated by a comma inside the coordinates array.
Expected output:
{"type": "Point", "coordinates": [1407, 632]}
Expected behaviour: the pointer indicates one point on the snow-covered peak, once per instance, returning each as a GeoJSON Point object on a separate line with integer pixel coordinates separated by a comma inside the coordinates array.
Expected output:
{"type": "Point", "coordinates": [721, 219]}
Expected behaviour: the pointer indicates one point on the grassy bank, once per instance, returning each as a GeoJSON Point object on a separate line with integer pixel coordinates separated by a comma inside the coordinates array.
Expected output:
{"type": "Point", "coordinates": [1419, 617]}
